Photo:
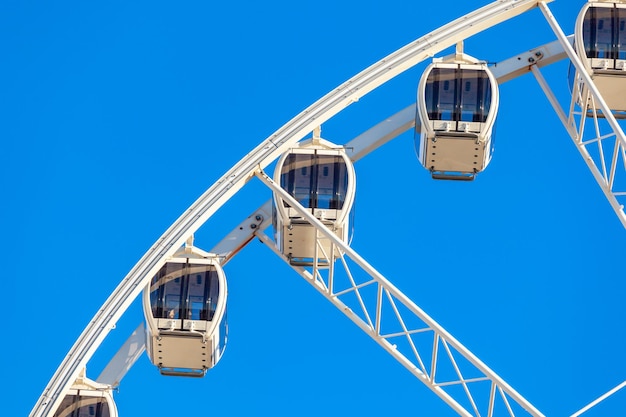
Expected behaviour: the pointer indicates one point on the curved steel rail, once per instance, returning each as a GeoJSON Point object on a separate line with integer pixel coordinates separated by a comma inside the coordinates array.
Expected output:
{"type": "Point", "coordinates": [220, 192]}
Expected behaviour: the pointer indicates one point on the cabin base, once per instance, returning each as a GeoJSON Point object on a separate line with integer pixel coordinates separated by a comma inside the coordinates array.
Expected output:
{"type": "Point", "coordinates": [301, 240]}
{"type": "Point", "coordinates": [181, 354]}
{"type": "Point", "coordinates": [454, 154]}
{"type": "Point", "coordinates": [612, 88]}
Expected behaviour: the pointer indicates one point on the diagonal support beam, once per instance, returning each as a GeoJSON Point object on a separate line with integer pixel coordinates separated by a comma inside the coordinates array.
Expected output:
{"type": "Point", "coordinates": [440, 332]}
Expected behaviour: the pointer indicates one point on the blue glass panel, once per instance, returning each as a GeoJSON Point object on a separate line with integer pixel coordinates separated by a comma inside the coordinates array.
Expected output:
{"type": "Point", "coordinates": [83, 406]}
{"type": "Point", "coordinates": [440, 94]}
{"type": "Point", "coordinates": [458, 95]}
{"type": "Point", "coordinates": [621, 33]}
{"type": "Point", "coordinates": [598, 34]}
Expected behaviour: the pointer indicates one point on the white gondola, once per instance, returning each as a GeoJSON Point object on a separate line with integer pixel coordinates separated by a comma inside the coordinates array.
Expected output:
{"type": "Point", "coordinates": [600, 42]}
{"type": "Point", "coordinates": [185, 310]}
{"type": "Point", "coordinates": [87, 398]}
{"type": "Point", "coordinates": [321, 177]}
{"type": "Point", "coordinates": [457, 105]}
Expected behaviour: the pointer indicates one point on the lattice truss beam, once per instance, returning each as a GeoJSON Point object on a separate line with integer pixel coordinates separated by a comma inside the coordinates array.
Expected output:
{"type": "Point", "coordinates": [600, 144]}
{"type": "Point", "coordinates": [403, 329]}
{"type": "Point", "coordinates": [390, 318]}
{"type": "Point", "coordinates": [592, 125]}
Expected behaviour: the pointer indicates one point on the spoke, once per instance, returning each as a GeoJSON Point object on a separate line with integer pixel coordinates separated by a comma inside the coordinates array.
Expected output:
{"type": "Point", "coordinates": [584, 91]}
{"type": "Point", "coordinates": [364, 295]}
{"type": "Point", "coordinates": [460, 376]}
{"type": "Point", "coordinates": [481, 372]}
{"type": "Point", "coordinates": [408, 334]}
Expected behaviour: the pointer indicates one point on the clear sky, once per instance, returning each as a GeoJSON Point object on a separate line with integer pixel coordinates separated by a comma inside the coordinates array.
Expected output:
{"type": "Point", "coordinates": [116, 116]}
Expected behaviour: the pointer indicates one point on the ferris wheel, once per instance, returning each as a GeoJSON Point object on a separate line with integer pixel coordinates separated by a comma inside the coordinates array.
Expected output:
{"type": "Point", "coordinates": [309, 220]}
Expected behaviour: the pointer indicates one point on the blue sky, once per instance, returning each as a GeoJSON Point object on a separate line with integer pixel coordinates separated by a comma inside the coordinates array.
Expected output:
{"type": "Point", "coordinates": [116, 116]}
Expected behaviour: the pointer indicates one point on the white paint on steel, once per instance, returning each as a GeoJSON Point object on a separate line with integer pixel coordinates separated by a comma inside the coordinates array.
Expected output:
{"type": "Point", "coordinates": [569, 50]}
{"type": "Point", "coordinates": [607, 113]}
{"type": "Point", "coordinates": [521, 64]}
{"type": "Point", "coordinates": [220, 192]}
{"type": "Point", "coordinates": [357, 148]}
{"type": "Point", "coordinates": [241, 235]}
{"type": "Point", "coordinates": [396, 293]}
{"type": "Point", "coordinates": [551, 98]}
{"type": "Point", "coordinates": [599, 400]}
{"type": "Point", "coordinates": [381, 133]}
{"type": "Point", "coordinates": [125, 358]}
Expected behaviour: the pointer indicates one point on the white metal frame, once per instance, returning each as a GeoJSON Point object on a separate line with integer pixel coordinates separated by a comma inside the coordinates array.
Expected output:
{"type": "Point", "coordinates": [603, 144]}
{"type": "Point", "coordinates": [385, 300]}
{"type": "Point", "coordinates": [368, 318]}
{"type": "Point", "coordinates": [90, 392]}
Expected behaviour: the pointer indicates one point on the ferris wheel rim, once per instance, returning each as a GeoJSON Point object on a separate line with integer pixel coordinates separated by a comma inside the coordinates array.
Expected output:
{"type": "Point", "coordinates": [268, 150]}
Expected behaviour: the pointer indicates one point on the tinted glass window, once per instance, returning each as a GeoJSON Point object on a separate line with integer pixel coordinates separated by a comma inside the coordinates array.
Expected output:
{"type": "Point", "coordinates": [213, 294]}
{"type": "Point", "coordinates": [296, 177]}
{"type": "Point", "coordinates": [476, 96]}
{"type": "Point", "coordinates": [166, 291]}
{"type": "Point", "coordinates": [598, 35]}
{"type": "Point", "coordinates": [83, 406]}
{"type": "Point", "coordinates": [223, 334]}
{"type": "Point", "coordinates": [185, 291]}
{"type": "Point", "coordinates": [621, 33]}
{"type": "Point", "coordinates": [468, 99]}
{"type": "Point", "coordinates": [325, 184]}
{"type": "Point", "coordinates": [332, 182]}
{"type": "Point", "coordinates": [196, 300]}
{"type": "Point", "coordinates": [440, 94]}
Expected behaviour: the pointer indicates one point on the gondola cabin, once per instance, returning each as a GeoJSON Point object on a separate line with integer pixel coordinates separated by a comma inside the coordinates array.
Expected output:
{"type": "Point", "coordinates": [321, 177]}
{"type": "Point", "coordinates": [185, 310]}
{"type": "Point", "coordinates": [456, 111]}
{"type": "Point", "coordinates": [600, 42]}
{"type": "Point", "coordinates": [87, 398]}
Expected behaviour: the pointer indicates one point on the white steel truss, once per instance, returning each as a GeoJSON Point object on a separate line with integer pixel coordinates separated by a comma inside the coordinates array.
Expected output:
{"type": "Point", "coordinates": [403, 329]}
{"type": "Point", "coordinates": [592, 125]}
{"type": "Point", "coordinates": [231, 182]}
{"type": "Point", "coordinates": [351, 284]}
